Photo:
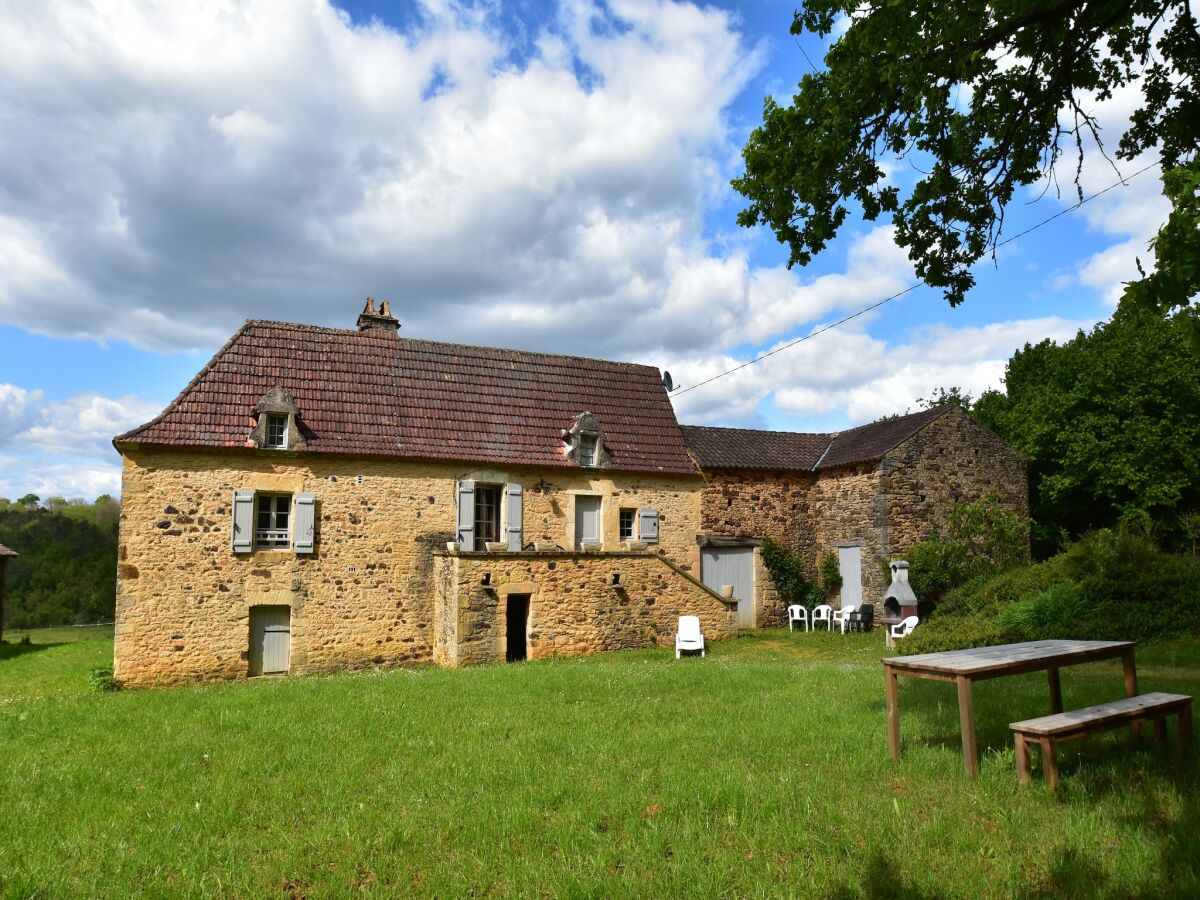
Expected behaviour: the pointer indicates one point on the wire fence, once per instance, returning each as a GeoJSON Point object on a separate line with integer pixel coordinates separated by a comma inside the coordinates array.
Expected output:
{"type": "Point", "coordinates": [59, 634]}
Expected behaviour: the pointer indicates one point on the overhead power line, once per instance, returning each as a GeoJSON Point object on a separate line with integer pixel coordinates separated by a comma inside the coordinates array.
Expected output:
{"type": "Point", "coordinates": [1124, 180]}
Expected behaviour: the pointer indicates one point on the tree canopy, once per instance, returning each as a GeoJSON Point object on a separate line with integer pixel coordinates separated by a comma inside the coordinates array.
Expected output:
{"type": "Point", "coordinates": [988, 96]}
{"type": "Point", "coordinates": [1110, 422]}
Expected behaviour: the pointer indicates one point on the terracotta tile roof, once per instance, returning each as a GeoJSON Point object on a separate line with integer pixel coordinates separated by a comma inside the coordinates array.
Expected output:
{"type": "Point", "coordinates": [374, 393]}
{"type": "Point", "coordinates": [747, 448]}
{"type": "Point", "coordinates": [4, 551]}
{"type": "Point", "coordinates": [871, 442]}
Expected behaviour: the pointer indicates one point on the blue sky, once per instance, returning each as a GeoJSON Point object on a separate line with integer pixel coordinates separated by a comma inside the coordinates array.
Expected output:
{"type": "Point", "coordinates": [551, 176]}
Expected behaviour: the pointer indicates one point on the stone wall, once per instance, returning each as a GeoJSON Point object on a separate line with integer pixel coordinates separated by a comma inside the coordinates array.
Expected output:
{"type": "Point", "coordinates": [951, 460]}
{"type": "Point", "coordinates": [755, 505]}
{"type": "Point", "coordinates": [366, 596]}
{"type": "Point", "coordinates": [848, 508]}
{"type": "Point", "coordinates": [573, 607]}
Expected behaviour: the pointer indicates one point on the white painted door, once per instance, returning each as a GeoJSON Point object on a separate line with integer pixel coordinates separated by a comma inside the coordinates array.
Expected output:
{"type": "Point", "coordinates": [732, 565]}
{"type": "Point", "coordinates": [850, 568]}
{"type": "Point", "coordinates": [270, 640]}
{"type": "Point", "coordinates": [587, 520]}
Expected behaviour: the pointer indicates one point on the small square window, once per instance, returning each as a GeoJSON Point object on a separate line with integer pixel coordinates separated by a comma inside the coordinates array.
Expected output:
{"type": "Point", "coordinates": [276, 431]}
{"type": "Point", "coordinates": [628, 517]}
{"type": "Point", "coordinates": [273, 527]}
{"type": "Point", "coordinates": [587, 449]}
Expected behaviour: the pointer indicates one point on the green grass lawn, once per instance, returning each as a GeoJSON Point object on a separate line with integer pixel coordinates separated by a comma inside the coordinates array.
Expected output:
{"type": "Point", "coordinates": [759, 771]}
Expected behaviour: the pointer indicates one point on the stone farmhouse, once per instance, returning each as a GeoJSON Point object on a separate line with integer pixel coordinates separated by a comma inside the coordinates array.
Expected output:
{"type": "Point", "coordinates": [322, 498]}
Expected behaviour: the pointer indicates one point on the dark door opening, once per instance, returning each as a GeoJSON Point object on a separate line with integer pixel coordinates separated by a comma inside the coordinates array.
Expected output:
{"type": "Point", "coordinates": [518, 620]}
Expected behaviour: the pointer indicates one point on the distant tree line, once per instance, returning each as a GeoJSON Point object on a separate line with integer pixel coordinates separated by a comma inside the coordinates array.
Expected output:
{"type": "Point", "coordinates": [66, 572]}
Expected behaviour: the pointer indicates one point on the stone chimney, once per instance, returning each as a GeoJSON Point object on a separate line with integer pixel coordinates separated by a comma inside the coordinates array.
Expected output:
{"type": "Point", "coordinates": [378, 320]}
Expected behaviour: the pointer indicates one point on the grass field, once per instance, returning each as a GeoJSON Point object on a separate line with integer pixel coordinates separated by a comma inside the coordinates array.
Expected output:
{"type": "Point", "coordinates": [759, 771]}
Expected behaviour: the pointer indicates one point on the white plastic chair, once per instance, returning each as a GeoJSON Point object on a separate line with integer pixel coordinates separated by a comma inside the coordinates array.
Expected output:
{"type": "Point", "coordinates": [841, 616]}
{"type": "Point", "coordinates": [903, 628]}
{"type": "Point", "coordinates": [822, 613]}
{"type": "Point", "coordinates": [689, 637]}
{"type": "Point", "coordinates": [796, 614]}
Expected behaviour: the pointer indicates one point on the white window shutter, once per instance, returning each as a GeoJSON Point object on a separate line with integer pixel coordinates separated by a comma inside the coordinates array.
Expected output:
{"type": "Point", "coordinates": [515, 513]}
{"type": "Point", "coordinates": [305, 525]}
{"type": "Point", "coordinates": [243, 521]}
{"type": "Point", "coordinates": [466, 514]}
{"type": "Point", "coordinates": [648, 526]}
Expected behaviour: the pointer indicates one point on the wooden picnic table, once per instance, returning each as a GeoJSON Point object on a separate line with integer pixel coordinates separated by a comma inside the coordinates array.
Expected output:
{"type": "Point", "coordinates": [965, 667]}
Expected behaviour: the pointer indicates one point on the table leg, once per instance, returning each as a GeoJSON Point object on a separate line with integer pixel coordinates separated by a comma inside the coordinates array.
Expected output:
{"type": "Point", "coordinates": [1055, 689]}
{"type": "Point", "coordinates": [1185, 726]}
{"type": "Point", "coordinates": [1131, 687]}
{"type": "Point", "coordinates": [966, 720]}
{"type": "Point", "coordinates": [891, 689]}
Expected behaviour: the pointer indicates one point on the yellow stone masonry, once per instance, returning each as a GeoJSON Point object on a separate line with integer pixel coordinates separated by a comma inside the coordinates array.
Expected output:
{"type": "Point", "coordinates": [366, 597]}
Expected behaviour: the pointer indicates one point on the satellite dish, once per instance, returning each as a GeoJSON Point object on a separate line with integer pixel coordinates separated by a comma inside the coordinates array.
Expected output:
{"type": "Point", "coordinates": [668, 382]}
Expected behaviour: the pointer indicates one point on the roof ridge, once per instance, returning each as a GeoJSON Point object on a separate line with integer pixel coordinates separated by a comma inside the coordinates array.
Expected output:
{"type": "Point", "coordinates": [199, 376]}
{"type": "Point", "coordinates": [817, 434]}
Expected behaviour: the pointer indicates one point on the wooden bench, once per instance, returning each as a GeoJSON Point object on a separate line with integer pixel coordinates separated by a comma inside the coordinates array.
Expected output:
{"type": "Point", "coordinates": [1048, 731]}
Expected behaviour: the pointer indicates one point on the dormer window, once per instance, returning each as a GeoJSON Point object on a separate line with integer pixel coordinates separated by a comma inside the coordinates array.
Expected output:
{"type": "Point", "coordinates": [587, 449]}
{"type": "Point", "coordinates": [277, 428]}
{"type": "Point", "coordinates": [584, 442]}
{"type": "Point", "coordinates": [277, 422]}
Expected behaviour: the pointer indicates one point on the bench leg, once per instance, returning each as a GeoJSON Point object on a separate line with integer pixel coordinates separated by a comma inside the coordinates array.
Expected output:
{"type": "Point", "coordinates": [1023, 773]}
{"type": "Point", "coordinates": [1185, 726]}
{"type": "Point", "coordinates": [1160, 729]}
{"type": "Point", "coordinates": [1050, 762]}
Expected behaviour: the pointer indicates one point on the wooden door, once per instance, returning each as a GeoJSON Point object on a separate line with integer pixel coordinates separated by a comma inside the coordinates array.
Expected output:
{"type": "Point", "coordinates": [587, 520]}
{"type": "Point", "coordinates": [850, 568]}
{"type": "Point", "coordinates": [270, 640]}
{"type": "Point", "coordinates": [732, 565]}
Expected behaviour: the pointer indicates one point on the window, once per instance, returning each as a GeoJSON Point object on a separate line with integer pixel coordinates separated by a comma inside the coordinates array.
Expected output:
{"type": "Point", "coordinates": [487, 515]}
{"type": "Point", "coordinates": [626, 525]}
{"type": "Point", "coordinates": [273, 525]}
{"type": "Point", "coordinates": [276, 431]}
{"type": "Point", "coordinates": [587, 449]}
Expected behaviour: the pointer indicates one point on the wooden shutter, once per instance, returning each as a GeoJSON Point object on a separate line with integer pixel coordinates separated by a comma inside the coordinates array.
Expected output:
{"type": "Point", "coordinates": [648, 526]}
{"type": "Point", "coordinates": [466, 514]}
{"type": "Point", "coordinates": [243, 521]}
{"type": "Point", "coordinates": [514, 516]}
{"type": "Point", "coordinates": [305, 525]}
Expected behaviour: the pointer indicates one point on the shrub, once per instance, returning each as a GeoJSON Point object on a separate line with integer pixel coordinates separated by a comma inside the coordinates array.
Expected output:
{"type": "Point", "coordinates": [829, 572]}
{"type": "Point", "coordinates": [934, 568]}
{"type": "Point", "coordinates": [991, 537]}
{"type": "Point", "coordinates": [787, 571]}
{"type": "Point", "coordinates": [1059, 611]}
{"type": "Point", "coordinates": [952, 633]}
{"type": "Point", "coordinates": [102, 680]}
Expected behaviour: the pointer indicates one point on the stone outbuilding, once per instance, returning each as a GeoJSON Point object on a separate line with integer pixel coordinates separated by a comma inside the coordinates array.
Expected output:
{"type": "Point", "coordinates": [866, 494]}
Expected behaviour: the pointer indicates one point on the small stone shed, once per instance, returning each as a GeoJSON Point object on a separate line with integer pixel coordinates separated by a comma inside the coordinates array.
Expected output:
{"type": "Point", "coordinates": [866, 494]}
{"type": "Point", "coordinates": [5, 556]}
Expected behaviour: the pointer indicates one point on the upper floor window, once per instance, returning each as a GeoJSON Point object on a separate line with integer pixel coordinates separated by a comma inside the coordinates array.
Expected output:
{"type": "Point", "coordinates": [277, 428]}
{"type": "Point", "coordinates": [273, 521]}
{"type": "Point", "coordinates": [626, 524]}
{"type": "Point", "coordinates": [587, 449]}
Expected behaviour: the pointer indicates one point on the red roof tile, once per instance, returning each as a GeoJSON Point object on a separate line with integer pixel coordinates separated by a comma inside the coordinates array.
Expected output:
{"type": "Point", "coordinates": [747, 448]}
{"type": "Point", "coordinates": [374, 393]}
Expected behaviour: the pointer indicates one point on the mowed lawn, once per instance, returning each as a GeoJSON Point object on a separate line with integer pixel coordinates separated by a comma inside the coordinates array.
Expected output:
{"type": "Point", "coordinates": [759, 771]}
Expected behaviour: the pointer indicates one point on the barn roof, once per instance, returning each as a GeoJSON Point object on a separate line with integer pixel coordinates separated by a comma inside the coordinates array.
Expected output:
{"type": "Point", "coordinates": [747, 448]}
{"type": "Point", "coordinates": [374, 393]}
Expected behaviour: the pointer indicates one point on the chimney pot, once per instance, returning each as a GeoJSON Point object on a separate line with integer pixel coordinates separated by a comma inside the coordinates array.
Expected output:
{"type": "Point", "coordinates": [381, 320]}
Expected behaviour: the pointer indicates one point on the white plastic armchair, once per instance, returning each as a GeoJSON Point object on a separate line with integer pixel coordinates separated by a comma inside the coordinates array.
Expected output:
{"type": "Point", "coordinates": [797, 613]}
{"type": "Point", "coordinates": [822, 613]}
{"type": "Point", "coordinates": [689, 637]}
{"type": "Point", "coordinates": [903, 628]}
{"type": "Point", "coordinates": [841, 616]}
